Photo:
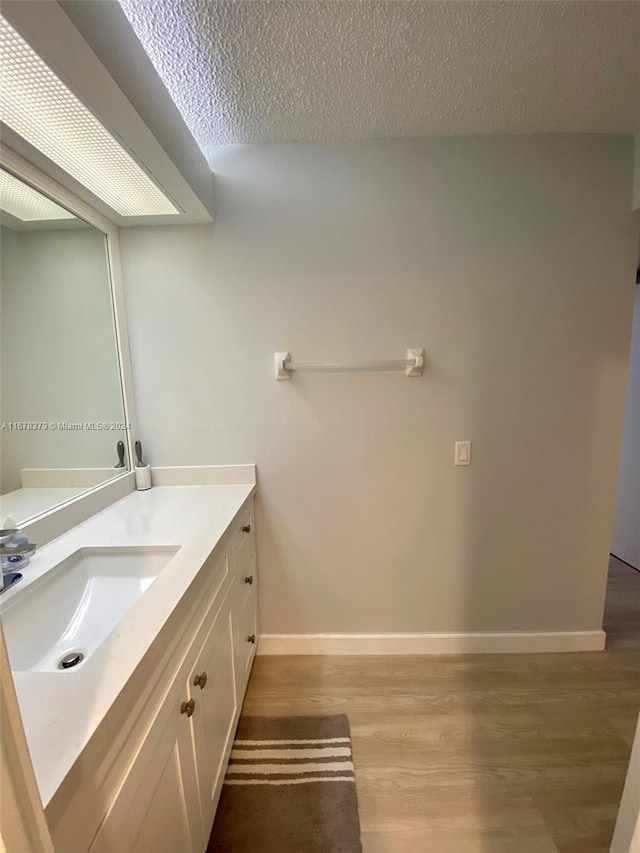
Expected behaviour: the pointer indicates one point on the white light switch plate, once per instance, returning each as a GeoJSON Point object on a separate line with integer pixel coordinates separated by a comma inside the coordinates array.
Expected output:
{"type": "Point", "coordinates": [463, 453]}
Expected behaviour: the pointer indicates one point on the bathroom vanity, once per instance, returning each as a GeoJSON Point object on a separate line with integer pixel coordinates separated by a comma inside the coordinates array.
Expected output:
{"type": "Point", "coordinates": [130, 745]}
{"type": "Point", "coordinates": [132, 630]}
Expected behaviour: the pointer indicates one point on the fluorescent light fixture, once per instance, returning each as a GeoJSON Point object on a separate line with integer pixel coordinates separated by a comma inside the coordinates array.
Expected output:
{"type": "Point", "coordinates": [43, 111]}
{"type": "Point", "coordinates": [25, 203]}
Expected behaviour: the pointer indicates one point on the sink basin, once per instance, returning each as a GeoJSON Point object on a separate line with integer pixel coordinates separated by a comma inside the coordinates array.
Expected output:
{"type": "Point", "coordinates": [71, 610]}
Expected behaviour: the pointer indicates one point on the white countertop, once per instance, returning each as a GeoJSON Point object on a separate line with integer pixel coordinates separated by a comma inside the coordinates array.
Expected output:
{"type": "Point", "coordinates": [62, 710]}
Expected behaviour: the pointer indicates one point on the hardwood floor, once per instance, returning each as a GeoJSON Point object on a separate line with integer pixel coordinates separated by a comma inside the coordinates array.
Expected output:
{"type": "Point", "coordinates": [479, 753]}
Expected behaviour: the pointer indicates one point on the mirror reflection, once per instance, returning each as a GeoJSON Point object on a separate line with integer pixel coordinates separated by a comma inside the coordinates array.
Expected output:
{"type": "Point", "coordinates": [63, 422]}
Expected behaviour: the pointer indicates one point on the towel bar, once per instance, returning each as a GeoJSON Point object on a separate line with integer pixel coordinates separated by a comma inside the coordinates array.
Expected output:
{"type": "Point", "coordinates": [413, 365]}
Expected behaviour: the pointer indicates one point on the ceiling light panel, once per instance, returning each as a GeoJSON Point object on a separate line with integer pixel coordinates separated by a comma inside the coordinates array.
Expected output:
{"type": "Point", "coordinates": [25, 203]}
{"type": "Point", "coordinates": [43, 111]}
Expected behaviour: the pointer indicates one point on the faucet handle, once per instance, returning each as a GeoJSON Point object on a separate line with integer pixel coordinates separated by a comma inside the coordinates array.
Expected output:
{"type": "Point", "coordinates": [7, 534]}
{"type": "Point", "coordinates": [23, 549]}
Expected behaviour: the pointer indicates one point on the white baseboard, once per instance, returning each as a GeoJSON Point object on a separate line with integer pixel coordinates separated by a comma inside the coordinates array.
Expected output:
{"type": "Point", "coordinates": [431, 644]}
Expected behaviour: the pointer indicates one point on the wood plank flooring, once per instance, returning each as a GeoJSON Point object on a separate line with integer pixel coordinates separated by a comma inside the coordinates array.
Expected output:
{"type": "Point", "coordinates": [480, 753]}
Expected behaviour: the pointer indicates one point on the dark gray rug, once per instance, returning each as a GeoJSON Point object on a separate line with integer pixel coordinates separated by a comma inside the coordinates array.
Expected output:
{"type": "Point", "coordinates": [290, 788]}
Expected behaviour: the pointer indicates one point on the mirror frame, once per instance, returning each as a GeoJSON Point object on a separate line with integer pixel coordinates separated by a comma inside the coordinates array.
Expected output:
{"type": "Point", "coordinates": [61, 517]}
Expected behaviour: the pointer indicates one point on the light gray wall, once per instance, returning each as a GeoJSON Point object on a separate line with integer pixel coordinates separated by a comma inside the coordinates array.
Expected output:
{"type": "Point", "coordinates": [58, 352]}
{"type": "Point", "coordinates": [511, 260]}
{"type": "Point", "coordinates": [626, 528]}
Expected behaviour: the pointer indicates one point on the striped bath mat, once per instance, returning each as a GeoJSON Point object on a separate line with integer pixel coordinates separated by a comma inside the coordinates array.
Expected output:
{"type": "Point", "coordinates": [290, 788]}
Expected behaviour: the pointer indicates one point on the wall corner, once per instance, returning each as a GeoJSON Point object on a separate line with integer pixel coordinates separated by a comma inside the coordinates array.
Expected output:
{"type": "Point", "coordinates": [636, 174]}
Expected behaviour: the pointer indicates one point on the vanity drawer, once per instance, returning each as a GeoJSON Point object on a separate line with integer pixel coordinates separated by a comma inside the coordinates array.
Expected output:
{"type": "Point", "coordinates": [244, 536]}
{"type": "Point", "coordinates": [246, 574]}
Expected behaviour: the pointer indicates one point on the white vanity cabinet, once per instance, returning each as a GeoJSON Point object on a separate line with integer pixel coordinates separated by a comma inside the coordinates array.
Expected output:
{"type": "Point", "coordinates": [155, 788]}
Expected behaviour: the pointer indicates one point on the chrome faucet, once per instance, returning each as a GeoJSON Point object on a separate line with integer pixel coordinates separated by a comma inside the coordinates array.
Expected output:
{"type": "Point", "coordinates": [15, 551]}
{"type": "Point", "coordinates": [11, 543]}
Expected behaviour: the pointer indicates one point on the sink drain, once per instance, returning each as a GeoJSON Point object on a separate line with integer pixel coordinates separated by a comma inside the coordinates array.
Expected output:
{"type": "Point", "coordinates": [70, 660]}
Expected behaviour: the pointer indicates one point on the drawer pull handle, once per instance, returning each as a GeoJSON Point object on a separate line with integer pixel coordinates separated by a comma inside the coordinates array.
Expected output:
{"type": "Point", "coordinates": [251, 638]}
{"type": "Point", "coordinates": [187, 707]}
{"type": "Point", "coordinates": [249, 580]}
{"type": "Point", "coordinates": [200, 680]}
{"type": "Point", "coordinates": [246, 528]}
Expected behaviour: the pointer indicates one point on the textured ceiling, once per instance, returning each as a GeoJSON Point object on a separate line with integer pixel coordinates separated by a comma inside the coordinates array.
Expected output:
{"type": "Point", "coordinates": [250, 71]}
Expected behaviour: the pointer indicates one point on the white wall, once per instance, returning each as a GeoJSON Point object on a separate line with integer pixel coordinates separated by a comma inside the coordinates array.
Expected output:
{"type": "Point", "coordinates": [511, 260]}
{"type": "Point", "coordinates": [626, 527]}
{"type": "Point", "coordinates": [58, 352]}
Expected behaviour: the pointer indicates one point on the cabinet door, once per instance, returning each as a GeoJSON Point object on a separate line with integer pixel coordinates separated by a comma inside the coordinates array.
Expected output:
{"type": "Point", "coordinates": [157, 808]}
{"type": "Point", "coordinates": [213, 691]}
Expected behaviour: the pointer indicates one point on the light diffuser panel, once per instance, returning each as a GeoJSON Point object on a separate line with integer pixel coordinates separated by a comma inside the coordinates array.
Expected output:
{"type": "Point", "coordinates": [43, 111]}
{"type": "Point", "coordinates": [25, 203]}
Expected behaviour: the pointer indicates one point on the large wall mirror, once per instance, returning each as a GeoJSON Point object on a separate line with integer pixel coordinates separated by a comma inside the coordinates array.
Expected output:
{"type": "Point", "coordinates": [63, 417]}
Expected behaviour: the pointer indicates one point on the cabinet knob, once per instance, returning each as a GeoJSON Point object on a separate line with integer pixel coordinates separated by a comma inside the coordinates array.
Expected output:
{"type": "Point", "coordinates": [187, 707]}
{"type": "Point", "coordinates": [249, 580]}
{"type": "Point", "coordinates": [200, 680]}
{"type": "Point", "coordinates": [251, 638]}
{"type": "Point", "coordinates": [246, 528]}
